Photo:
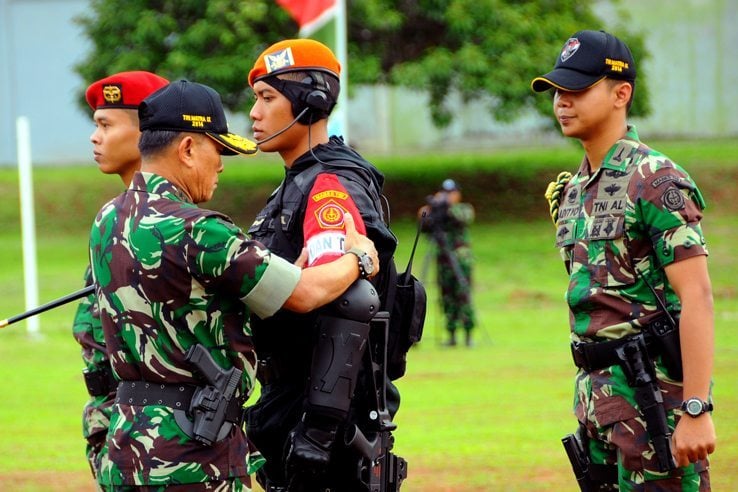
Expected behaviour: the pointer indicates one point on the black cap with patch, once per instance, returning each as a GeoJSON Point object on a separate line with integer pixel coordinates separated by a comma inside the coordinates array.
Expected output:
{"type": "Point", "coordinates": [184, 106]}
{"type": "Point", "coordinates": [586, 58]}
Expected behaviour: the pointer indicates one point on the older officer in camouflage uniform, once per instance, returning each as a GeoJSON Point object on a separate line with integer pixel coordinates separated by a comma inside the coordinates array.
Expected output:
{"type": "Point", "coordinates": [628, 226]}
{"type": "Point", "coordinates": [175, 286]}
{"type": "Point", "coordinates": [447, 220]}
{"type": "Point", "coordinates": [114, 101]}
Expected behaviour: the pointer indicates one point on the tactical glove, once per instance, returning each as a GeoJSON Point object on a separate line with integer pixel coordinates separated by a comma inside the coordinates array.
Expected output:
{"type": "Point", "coordinates": [553, 194]}
{"type": "Point", "coordinates": [308, 452]}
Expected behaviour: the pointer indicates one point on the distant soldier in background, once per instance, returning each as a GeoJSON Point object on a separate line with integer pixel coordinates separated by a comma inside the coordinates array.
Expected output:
{"type": "Point", "coordinates": [447, 221]}
{"type": "Point", "coordinates": [114, 101]}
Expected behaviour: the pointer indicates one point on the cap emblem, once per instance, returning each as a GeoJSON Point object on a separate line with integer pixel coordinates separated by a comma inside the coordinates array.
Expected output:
{"type": "Point", "coordinates": [278, 60]}
{"type": "Point", "coordinates": [112, 93]}
{"type": "Point", "coordinates": [571, 47]}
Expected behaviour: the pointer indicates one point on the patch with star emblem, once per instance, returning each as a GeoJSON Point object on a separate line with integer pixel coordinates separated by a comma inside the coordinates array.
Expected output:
{"type": "Point", "coordinates": [609, 227]}
{"type": "Point", "coordinates": [673, 199]}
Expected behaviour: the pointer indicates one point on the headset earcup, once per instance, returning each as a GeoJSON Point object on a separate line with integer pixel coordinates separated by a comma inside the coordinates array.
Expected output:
{"type": "Point", "coordinates": [318, 99]}
{"type": "Point", "coordinates": [318, 103]}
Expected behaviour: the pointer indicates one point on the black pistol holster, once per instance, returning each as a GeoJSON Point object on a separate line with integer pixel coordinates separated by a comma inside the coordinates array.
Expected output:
{"type": "Point", "coordinates": [590, 477]}
{"type": "Point", "coordinates": [100, 380]}
{"type": "Point", "coordinates": [214, 403]}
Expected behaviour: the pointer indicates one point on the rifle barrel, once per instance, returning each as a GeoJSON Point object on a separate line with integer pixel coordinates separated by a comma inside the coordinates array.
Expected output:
{"type": "Point", "coordinates": [49, 305]}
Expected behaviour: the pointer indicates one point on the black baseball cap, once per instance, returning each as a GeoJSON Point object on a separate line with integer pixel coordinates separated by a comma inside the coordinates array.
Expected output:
{"type": "Point", "coordinates": [185, 106]}
{"type": "Point", "coordinates": [586, 58]}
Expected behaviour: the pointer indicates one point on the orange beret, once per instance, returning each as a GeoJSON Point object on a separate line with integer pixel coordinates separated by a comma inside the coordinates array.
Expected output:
{"type": "Point", "coordinates": [293, 55]}
{"type": "Point", "coordinates": [124, 90]}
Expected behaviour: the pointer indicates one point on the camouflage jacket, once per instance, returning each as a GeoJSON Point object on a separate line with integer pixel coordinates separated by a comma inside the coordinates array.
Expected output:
{"type": "Point", "coordinates": [638, 213]}
{"type": "Point", "coordinates": [170, 275]}
{"type": "Point", "coordinates": [87, 330]}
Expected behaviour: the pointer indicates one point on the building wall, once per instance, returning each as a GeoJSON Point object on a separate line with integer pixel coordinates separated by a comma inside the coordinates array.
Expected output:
{"type": "Point", "coordinates": [692, 79]}
{"type": "Point", "coordinates": [39, 44]}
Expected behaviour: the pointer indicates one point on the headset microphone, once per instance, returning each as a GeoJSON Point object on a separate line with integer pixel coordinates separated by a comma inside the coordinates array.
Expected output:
{"type": "Point", "coordinates": [275, 135]}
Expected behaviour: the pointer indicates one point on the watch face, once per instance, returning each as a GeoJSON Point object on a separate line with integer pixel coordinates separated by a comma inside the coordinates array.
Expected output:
{"type": "Point", "coordinates": [694, 407]}
{"type": "Point", "coordinates": [368, 264]}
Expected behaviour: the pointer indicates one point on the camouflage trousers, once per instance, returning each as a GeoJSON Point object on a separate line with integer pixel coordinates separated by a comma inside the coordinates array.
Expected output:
{"type": "Point", "coordinates": [626, 445]}
{"type": "Point", "coordinates": [230, 485]}
{"type": "Point", "coordinates": [455, 296]}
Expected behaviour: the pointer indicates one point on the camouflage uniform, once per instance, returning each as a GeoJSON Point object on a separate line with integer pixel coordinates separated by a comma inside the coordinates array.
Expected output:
{"type": "Point", "coordinates": [171, 275]}
{"type": "Point", "coordinates": [87, 330]}
{"type": "Point", "coordinates": [455, 294]}
{"type": "Point", "coordinates": [638, 211]}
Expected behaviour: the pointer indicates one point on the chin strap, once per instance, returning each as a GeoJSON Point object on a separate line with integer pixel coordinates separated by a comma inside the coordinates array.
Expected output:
{"type": "Point", "coordinates": [553, 194]}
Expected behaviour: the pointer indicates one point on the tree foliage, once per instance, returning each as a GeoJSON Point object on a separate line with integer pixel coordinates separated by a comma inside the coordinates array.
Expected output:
{"type": "Point", "coordinates": [480, 49]}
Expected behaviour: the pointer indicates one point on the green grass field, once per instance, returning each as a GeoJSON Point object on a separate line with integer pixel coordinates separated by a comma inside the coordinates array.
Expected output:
{"type": "Point", "coordinates": [488, 418]}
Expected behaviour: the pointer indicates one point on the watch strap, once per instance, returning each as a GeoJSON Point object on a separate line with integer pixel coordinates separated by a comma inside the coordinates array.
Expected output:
{"type": "Point", "coordinates": [360, 254]}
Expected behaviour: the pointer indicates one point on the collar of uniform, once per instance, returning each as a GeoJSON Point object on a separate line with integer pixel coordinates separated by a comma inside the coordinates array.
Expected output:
{"type": "Point", "coordinates": [620, 154]}
{"type": "Point", "coordinates": [158, 185]}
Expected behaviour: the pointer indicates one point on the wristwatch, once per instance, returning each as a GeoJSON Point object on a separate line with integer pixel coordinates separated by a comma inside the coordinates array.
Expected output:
{"type": "Point", "coordinates": [366, 264]}
{"type": "Point", "coordinates": [694, 407]}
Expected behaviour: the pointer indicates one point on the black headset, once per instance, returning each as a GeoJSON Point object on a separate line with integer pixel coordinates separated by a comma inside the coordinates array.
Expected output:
{"type": "Point", "coordinates": [315, 97]}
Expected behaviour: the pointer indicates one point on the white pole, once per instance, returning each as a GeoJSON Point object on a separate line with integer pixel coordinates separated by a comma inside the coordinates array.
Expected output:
{"type": "Point", "coordinates": [342, 55]}
{"type": "Point", "coordinates": [28, 223]}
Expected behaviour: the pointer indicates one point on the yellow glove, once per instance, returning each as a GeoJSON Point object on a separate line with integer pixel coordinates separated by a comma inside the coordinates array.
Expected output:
{"type": "Point", "coordinates": [553, 193]}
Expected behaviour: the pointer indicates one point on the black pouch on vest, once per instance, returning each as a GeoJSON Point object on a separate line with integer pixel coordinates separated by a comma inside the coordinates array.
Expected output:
{"type": "Point", "coordinates": [407, 300]}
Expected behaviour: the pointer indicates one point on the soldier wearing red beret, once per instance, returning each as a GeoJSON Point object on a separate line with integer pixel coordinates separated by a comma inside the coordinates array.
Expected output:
{"type": "Point", "coordinates": [114, 101]}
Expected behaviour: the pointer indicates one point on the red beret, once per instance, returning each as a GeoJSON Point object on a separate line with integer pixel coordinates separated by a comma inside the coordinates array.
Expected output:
{"type": "Point", "coordinates": [293, 55]}
{"type": "Point", "coordinates": [123, 90]}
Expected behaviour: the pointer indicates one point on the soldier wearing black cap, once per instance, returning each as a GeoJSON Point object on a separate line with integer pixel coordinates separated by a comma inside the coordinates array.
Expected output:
{"type": "Point", "coordinates": [640, 299]}
{"type": "Point", "coordinates": [447, 221]}
{"type": "Point", "coordinates": [175, 285]}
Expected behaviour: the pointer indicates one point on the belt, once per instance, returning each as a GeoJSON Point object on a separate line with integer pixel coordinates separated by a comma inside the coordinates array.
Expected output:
{"type": "Point", "coordinates": [591, 356]}
{"type": "Point", "coordinates": [176, 396]}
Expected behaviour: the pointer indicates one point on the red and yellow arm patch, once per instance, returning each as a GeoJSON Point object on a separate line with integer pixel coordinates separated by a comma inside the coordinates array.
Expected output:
{"type": "Point", "coordinates": [324, 229]}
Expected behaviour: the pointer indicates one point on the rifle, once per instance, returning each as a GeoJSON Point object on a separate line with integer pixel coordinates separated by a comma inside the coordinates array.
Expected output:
{"type": "Point", "coordinates": [639, 371]}
{"type": "Point", "coordinates": [380, 469]}
{"type": "Point", "coordinates": [90, 289]}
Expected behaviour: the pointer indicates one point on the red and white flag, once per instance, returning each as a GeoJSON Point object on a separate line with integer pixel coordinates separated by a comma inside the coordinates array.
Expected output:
{"type": "Point", "coordinates": [310, 15]}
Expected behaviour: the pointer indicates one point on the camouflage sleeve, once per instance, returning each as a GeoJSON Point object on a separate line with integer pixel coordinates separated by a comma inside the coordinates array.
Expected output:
{"type": "Point", "coordinates": [462, 213]}
{"type": "Point", "coordinates": [87, 330]}
{"type": "Point", "coordinates": [671, 206]}
{"type": "Point", "coordinates": [224, 256]}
